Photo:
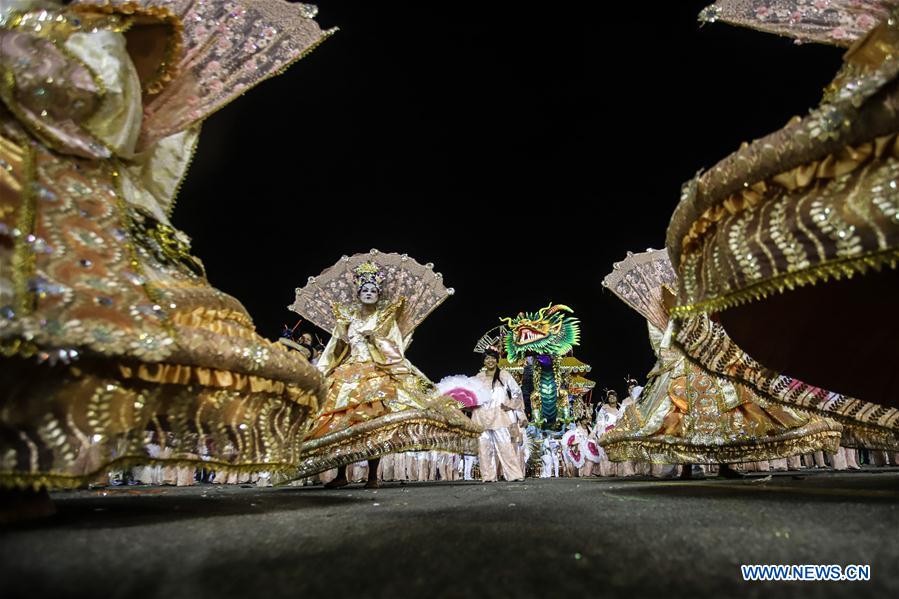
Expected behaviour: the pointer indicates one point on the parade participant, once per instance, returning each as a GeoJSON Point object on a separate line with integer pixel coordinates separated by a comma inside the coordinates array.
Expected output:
{"type": "Point", "coordinates": [546, 460]}
{"type": "Point", "coordinates": [314, 347]}
{"type": "Point", "coordinates": [592, 450]}
{"type": "Point", "coordinates": [502, 420]}
{"type": "Point", "coordinates": [641, 467]}
{"type": "Point", "coordinates": [467, 466]}
{"type": "Point", "coordinates": [376, 401]}
{"type": "Point", "coordinates": [110, 328]}
{"type": "Point", "coordinates": [851, 458]}
{"type": "Point", "coordinates": [386, 471]}
{"type": "Point", "coordinates": [606, 417]}
{"type": "Point", "coordinates": [779, 464]}
{"type": "Point", "coordinates": [469, 392]}
{"type": "Point", "coordinates": [609, 414]}
{"type": "Point", "coordinates": [306, 341]}
{"type": "Point", "coordinates": [690, 415]}
{"type": "Point", "coordinates": [583, 436]}
{"type": "Point", "coordinates": [634, 389]}
{"type": "Point", "coordinates": [555, 451]}
{"type": "Point", "coordinates": [301, 343]}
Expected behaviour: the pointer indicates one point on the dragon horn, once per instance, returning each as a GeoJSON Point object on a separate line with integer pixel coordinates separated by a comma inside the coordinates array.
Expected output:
{"type": "Point", "coordinates": [507, 320]}
{"type": "Point", "coordinates": [559, 308]}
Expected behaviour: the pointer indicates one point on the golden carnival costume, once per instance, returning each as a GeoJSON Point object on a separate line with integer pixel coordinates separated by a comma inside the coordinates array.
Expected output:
{"type": "Point", "coordinates": [688, 414]}
{"type": "Point", "coordinates": [800, 229]}
{"type": "Point", "coordinates": [376, 401]}
{"type": "Point", "coordinates": [111, 335]}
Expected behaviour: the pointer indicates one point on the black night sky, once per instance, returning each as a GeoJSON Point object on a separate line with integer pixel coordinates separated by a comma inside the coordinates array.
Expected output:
{"type": "Point", "coordinates": [520, 147]}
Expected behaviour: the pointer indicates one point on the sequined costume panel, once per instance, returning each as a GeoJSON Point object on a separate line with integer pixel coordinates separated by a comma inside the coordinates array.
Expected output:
{"type": "Point", "coordinates": [814, 201]}
{"type": "Point", "coordinates": [864, 424]}
{"type": "Point", "coordinates": [837, 22]}
{"type": "Point", "coordinates": [369, 376]}
{"type": "Point", "coordinates": [687, 414]}
{"type": "Point", "coordinates": [638, 280]}
{"type": "Point", "coordinates": [111, 335]}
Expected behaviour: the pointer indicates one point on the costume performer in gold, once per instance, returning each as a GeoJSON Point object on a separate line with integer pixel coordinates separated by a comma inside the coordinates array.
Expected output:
{"type": "Point", "coordinates": [800, 229]}
{"type": "Point", "coordinates": [688, 414]}
{"type": "Point", "coordinates": [109, 329]}
{"type": "Point", "coordinates": [376, 402]}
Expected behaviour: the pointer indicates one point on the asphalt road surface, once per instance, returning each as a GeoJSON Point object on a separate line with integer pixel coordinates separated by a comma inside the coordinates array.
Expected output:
{"type": "Point", "coordinates": [541, 538]}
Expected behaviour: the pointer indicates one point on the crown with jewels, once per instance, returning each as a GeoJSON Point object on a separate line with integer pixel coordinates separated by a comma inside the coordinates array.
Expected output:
{"type": "Point", "coordinates": [368, 273]}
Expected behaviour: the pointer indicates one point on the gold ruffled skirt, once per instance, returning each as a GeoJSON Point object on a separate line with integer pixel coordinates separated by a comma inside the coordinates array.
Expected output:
{"type": "Point", "coordinates": [865, 424]}
{"type": "Point", "coordinates": [800, 230]}
{"type": "Point", "coordinates": [112, 339]}
{"type": "Point", "coordinates": [688, 415]}
{"type": "Point", "coordinates": [372, 410]}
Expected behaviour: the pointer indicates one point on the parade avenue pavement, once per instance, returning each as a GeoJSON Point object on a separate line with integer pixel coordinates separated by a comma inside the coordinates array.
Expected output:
{"type": "Point", "coordinates": [593, 537]}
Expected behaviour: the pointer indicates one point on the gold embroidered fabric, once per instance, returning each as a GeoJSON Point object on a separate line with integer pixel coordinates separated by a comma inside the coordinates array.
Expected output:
{"type": "Point", "coordinates": [155, 31]}
{"type": "Point", "coordinates": [111, 336]}
{"type": "Point", "coordinates": [228, 48]}
{"type": "Point", "coordinates": [814, 201]}
{"type": "Point", "coordinates": [670, 450]}
{"type": "Point", "coordinates": [437, 428]}
{"type": "Point", "coordinates": [688, 413]}
{"type": "Point", "coordinates": [836, 22]}
{"type": "Point", "coordinates": [368, 376]}
{"type": "Point", "coordinates": [63, 426]}
{"type": "Point", "coordinates": [865, 424]}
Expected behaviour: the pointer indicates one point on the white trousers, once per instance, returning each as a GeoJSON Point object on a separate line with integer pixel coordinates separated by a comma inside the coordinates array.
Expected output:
{"type": "Point", "coordinates": [468, 462]}
{"type": "Point", "coordinates": [495, 448]}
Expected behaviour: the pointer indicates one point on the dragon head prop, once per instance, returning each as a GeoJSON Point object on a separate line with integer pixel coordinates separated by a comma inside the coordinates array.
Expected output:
{"type": "Point", "coordinates": [549, 331]}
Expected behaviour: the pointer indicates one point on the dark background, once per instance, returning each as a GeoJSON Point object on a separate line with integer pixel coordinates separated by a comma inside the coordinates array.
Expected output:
{"type": "Point", "coordinates": [520, 147]}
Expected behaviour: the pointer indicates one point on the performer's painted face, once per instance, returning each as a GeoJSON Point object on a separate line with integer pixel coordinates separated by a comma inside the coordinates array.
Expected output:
{"type": "Point", "coordinates": [613, 399]}
{"type": "Point", "coordinates": [368, 294]}
{"type": "Point", "coordinates": [489, 362]}
{"type": "Point", "coordinates": [306, 338]}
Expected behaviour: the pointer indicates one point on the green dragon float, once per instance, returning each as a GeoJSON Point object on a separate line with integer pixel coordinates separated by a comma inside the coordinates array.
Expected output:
{"type": "Point", "coordinates": [538, 347]}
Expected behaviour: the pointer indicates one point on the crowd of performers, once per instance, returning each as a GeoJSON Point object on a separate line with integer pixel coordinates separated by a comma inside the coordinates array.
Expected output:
{"type": "Point", "coordinates": [776, 288]}
{"type": "Point", "coordinates": [511, 446]}
{"type": "Point", "coordinates": [532, 454]}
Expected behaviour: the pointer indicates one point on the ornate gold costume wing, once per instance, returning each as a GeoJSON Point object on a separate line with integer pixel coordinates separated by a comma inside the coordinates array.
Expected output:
{"type": "Point", "coordinates": [217, 51]}
{"type": "Point", "coordinates": [403, 277]}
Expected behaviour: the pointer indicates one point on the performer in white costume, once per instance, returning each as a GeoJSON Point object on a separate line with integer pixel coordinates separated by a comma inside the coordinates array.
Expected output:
{"type": "Point", "coordinates": [499, 446]}
{"type": "Point", "coordinates": [606, 419]}
{"type": "Point", "coordinates": [583, 438]}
